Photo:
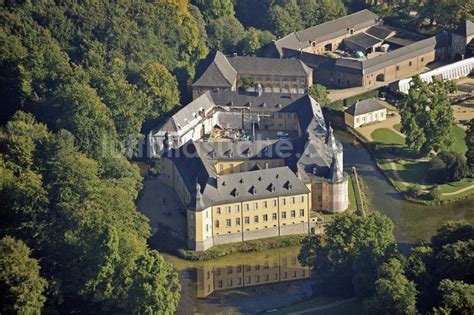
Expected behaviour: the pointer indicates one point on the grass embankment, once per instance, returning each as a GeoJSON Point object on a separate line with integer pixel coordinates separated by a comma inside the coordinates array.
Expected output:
{"type": "Point", "coordinates": [244, 247]}
{"type": "Point", "coordinates": [405, 168]}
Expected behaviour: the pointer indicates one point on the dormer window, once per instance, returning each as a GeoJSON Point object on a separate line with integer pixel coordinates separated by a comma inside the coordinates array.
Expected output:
{"type": "Point", "coordinates": [194, 115]}
{"type": "Point", "coordinates": [179, 127]}
{"type": "Point", "coordinates": [253, 190]}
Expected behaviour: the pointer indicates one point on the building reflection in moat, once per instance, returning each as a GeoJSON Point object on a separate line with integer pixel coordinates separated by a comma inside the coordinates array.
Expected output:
{"type": "Point", "coordinates": [261, 272]}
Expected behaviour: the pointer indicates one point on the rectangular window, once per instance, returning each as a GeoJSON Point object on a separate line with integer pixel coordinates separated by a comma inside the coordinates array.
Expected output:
{"type": "Point", "coordinates": [302, 198]}
{"type": "Point", "coordinates": [231, 166]}
{"type": "Point", "coordinates": [301, 212]}
{"type": "Point", "coordinates": [217, 223]}
{"type": "Point", "coordinates": [247, 220]}
{"type": "Point", "coordinates": [237, 221]}
{"type": "Point", "coordinates": [218, 210]}
{"type": "Point", "coordinates": [293, 213]}
{"type": "Point", "coordinates": [274, 216]}
{"type": "Point", "coordinates": [283, 215]}
{"type": "Point", "coordinates": [242, 167]}
{"type": "Point", "coordinates": [398, 68]}
{"type": "Point", "coordinates": [293, 200]}
{"type": "Point", "coordinates": [229, 282]}
{"type": "Point", "coordinates": [274, 202]}
{"type": "Point", "coordinates": [247, 207]}
{"type": "Point", "coordinates": [228, 223]}
{"type": "Point", "coordinates": [409, 64]}
{"type": "Point", "coordinates": [280, 115]}
{"type": "Point", "coordinates": [265, 218]}
{"type": "Point", "coordinates": [237, 208]}
{"type": "Point", "coordinates": [227, 209]}
{"type": "Point", "coordinates": [284, 201]}
{"type": "Point", "coordinates": [265, 204]}
{"type": "Point", "coordinates": [255, 206]}
{"type": "Point", "coordinates": [255, 219]}
{"type": "Point", "coordinates": [207, 227]}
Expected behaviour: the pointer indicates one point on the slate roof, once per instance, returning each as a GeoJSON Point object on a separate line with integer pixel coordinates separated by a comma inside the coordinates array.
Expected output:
{"type": "Point", "coordinates": [216, 71]}
{"type": "Point", "coordinates": [413, 50]}
{"type": "Point", "coordinates": [267, 101]}
{"type": "Point", "coordinates": [328, 30]}
{"type": "Point", "coordinates": [365, 106]}
{"type": "Point", "coordinates": [363, 40]}
{"type": "Point", "coordinates": [245, 65]}
{"type": "Point", "coordinates": [186, 114]}
{"type": "Point", "coordinates": [241, 150]}
{"type": "Point", "coordinates": [380, 31]}
{"type": "Point", "coordinates": [259, 184]}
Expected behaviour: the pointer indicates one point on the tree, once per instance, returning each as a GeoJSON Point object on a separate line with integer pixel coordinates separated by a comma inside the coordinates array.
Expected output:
{"type": "Point", "coordinates": [470, 145]}
{"type": "Point", "coordinates": [394, 293]}
{"type": "Point", "coordinates": [155, 288]}
{"type": "Point", "coordinates": [426, 115]}
{"type": "Point", "coordinates": [214, 9]}
{"type": "Point", "coordinates": [21, 285]}
{"type": "Point", "coordinates": [447, 167]}
{"type": "Point", "coordinates": [285, 18]}
{"type": "Point", "coordinates": [315, 12]}
{"type": "Point", "coordinates": [79, 216]}
{"type": "Point", "coordinates": [225, 34]}
{"type": "Point", "coordinates": [347, 258]}
{"type": "Point", "coordinates": [457, 296]}
{"type": "Point", "coordinates": [160, 87]}
{"type": "Point", "coordinates": [253, 40]}
{"type": "Point", "coordinates": [448, 256]}
{"type": "Point", "coordinates": [320, 94]}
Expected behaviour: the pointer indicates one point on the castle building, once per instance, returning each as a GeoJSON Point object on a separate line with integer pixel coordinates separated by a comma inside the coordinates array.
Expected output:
{"type": "Point", "coordinates": [243, 190]}
{"type": "Point", "coordinates": [358, 50]}
{"type": "Point", "coordinates": [231, 73]}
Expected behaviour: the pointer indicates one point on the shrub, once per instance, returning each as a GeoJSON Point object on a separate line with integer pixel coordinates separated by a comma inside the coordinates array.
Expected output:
{"type": "Point", "coordinates": [448, 167]}
{"type": "Point", "coordinates": [436, 193]}
{"type": "Point", "coordinates": [413, 191]}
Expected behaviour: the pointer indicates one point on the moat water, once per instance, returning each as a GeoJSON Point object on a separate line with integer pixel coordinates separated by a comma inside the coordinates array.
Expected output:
{"type": "Point", "coordinates": [255, 282]}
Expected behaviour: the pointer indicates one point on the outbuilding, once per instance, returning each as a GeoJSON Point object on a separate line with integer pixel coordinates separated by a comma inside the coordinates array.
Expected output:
{"type": "Point", "coordinates": [365, 112]}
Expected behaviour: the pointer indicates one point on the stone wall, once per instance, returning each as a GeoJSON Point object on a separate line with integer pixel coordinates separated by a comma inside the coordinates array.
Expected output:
{"type": "Point", "coordinates": [260, 233]}
{"type": "Point", "coordinates": [227, 238]}
{"type": "Point", "coordinates": [299, 228]}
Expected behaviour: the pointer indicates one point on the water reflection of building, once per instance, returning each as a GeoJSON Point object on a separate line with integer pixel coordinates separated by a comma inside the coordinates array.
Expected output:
{"type": "Point", "coordinates": [263, 271]}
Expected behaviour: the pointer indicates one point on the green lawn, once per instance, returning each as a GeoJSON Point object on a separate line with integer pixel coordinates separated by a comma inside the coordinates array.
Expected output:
{"type": "Point", "coordinates": [352, 198]}
{"type": "Point", "coordinates": [389, 145]}
{"type": "Point", "coordinates": [354, 307]}
{"type": "Point", "coordinates": [455, 186]}
{"type": "Point", "coordinates": [386, 136]}
{"type": "Point", "coordinates": [412, 172]}
{"type": "Point", "coordinates": [459, 140]}
{"type": "Point", "coordinates": [398, 127]}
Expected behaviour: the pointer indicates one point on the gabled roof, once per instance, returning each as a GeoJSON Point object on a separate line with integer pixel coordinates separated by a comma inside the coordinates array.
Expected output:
{"type": "Point", "coordinates": [365, 106]}
{"type": "Point", "coordinates": [216, 72]}
{"type": "Point", "coordinates": [380, 31]}
{"type": "Point", "coordinates": [265, 183]}
{"type": "Point", "coordinates": [328, 30]}
{"type": "Point", "coordinates": [363, 40]}
{"type": "Point", "coordinates": [188, 113]}
{"type": "Point", "coordinates": [267, 101]}
{"type": "Point", "coordinates": [404, 53]}
{"type": "Point", "coordinates": [245, 65]}
{"type": "Point", "coordinates": [237, 151]}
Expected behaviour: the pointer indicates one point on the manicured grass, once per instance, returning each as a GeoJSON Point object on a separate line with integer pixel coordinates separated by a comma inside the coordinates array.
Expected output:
{"type": "Point", "coordinates": [398, 127]}
{"type": "Point", "coordinates": [455, 186]}
{"type": "Point", "coordinates": [459, 144]}
{"type": "Point", "coordinates": [386, 136]}
{"type": "Point", "coordinates": [352, 198]}
{"type": "Point", "coordinates": [412, 172]}
{"type": "Point", "coordinates": [354, 307]}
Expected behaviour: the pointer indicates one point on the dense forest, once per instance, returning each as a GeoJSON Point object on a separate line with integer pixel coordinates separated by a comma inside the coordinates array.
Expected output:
{"type": "Point", "coordinates": [77, 79]}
